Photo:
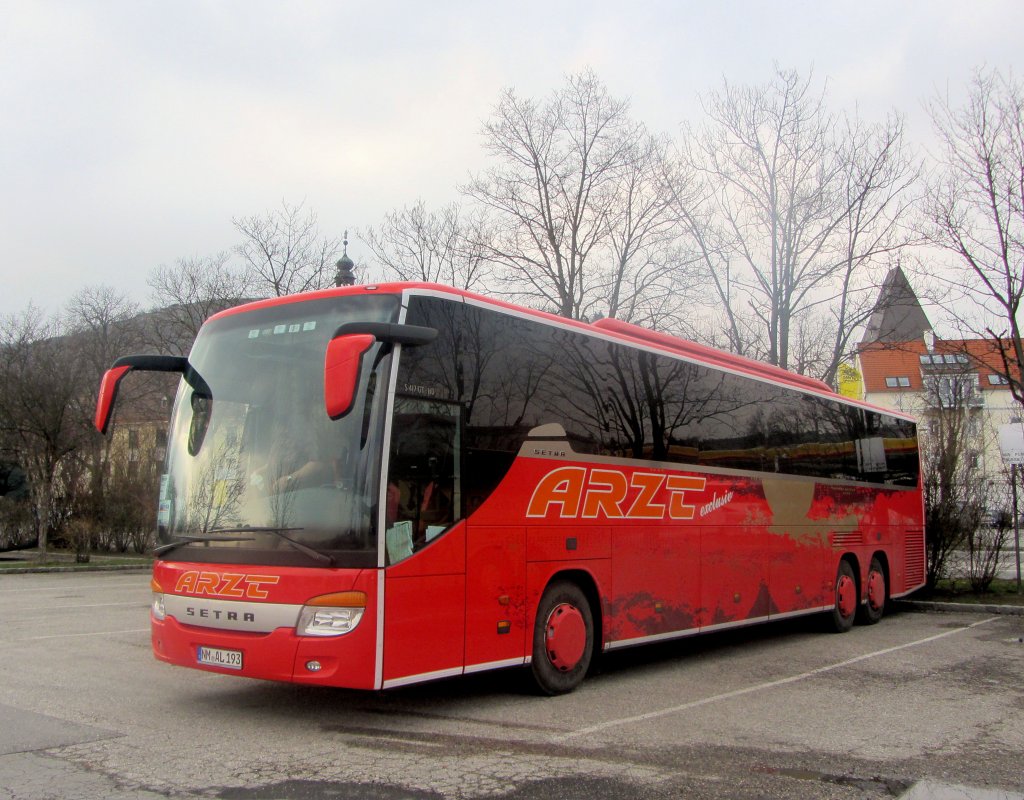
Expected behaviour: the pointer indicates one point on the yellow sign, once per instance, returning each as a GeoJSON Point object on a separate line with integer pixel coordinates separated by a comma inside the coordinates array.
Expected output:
{"type": "Point", "coordinates": [851, 383]}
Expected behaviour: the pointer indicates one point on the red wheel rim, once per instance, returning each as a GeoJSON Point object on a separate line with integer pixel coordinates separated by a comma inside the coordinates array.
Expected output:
{"type": "Point", "coordinates": [876, 589]}
{"type": "Point", "coordinates": [846, 595]}
{"type": "Point", "coordinates": [565, 637]}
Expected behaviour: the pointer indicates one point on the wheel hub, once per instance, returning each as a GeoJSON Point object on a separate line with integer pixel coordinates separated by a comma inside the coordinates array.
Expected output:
{"type": "Point", "coordinates": [846, 595]}
{"type": "Point", "coordinates": [565, 637]}
{"type": "Point", "coordinates": [876, 589]}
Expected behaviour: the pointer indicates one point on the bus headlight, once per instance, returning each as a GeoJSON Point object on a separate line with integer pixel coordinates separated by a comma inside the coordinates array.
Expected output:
{"type": "Point", "coordinates": [157, 606]}
{"type": "Point", "coordinates": [331, 614]}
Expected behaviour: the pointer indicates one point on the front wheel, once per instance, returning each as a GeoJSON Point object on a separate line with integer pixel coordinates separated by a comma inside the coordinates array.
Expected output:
{"type": "Point", "coordinates": [845, 598]}
{"type": "Point", "coordinates": [563, 638]}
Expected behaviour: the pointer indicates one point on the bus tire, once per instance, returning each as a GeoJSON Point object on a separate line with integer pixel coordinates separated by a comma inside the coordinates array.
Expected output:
{"type": "Point", "coordinates": [846, 598]}
{"type": "Point", "coordinates": [563, 638]}
{"type": "Point", "coordinates": [877, 594]}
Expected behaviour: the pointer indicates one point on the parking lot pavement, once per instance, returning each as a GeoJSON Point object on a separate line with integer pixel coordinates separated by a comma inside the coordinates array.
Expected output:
{"type": "Point", "coordinates": [782, 710]}
{"type": "Point", "coordinates": [930, 790]}
{"type": "Point", "coordinates": [42, 777]}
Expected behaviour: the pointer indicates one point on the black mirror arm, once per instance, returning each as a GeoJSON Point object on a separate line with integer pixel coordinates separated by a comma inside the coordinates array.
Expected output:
{"type": "Point", "coordinates": [148, 363]}
{"type": "Point", "coordinates": [392, 333]}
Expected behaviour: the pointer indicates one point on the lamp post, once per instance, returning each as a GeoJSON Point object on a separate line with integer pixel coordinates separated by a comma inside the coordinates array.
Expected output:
{"type": "Point", "coordinates": [1011, 447]}
{"type": "Point", "coordinates": [1016, 523]}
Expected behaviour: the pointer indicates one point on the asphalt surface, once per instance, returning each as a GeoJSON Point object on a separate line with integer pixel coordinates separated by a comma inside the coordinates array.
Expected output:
{"type": "Point", "coordinates": [921, 705]}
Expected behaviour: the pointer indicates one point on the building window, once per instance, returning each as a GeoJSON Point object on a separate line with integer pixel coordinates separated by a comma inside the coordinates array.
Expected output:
{"type": "Point", "coordinates": [940, 359]}
{"type": "Point", "coordinates": [901, 381]}
{"type": "Point", "coordinates": [997, 380]}
{"type": "Point", "coordinates": [954, 391]}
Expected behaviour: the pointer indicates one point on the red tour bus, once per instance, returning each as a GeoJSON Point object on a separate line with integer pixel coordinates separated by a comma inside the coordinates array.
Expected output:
{"type": "Point", "coordinates": [373, 486]}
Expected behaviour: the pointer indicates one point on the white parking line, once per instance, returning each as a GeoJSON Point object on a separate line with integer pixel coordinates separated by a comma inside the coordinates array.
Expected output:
{"type": "Point", "coordinates": [62, 587]}
{"type": "Point", "coordinates": [46, 613]}
{"type": "Point", "coordinates": [73, 635]}
{"type": "Point", "coordinates": [613, 723]}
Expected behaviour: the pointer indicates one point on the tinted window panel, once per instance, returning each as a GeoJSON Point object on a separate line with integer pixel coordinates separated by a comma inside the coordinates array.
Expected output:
{"type": "Point", "coordinates": [510, 375]}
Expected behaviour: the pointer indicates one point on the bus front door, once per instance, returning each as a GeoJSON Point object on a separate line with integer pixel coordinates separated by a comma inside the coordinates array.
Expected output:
{"type": "Point", "coordinates": [425, 543]}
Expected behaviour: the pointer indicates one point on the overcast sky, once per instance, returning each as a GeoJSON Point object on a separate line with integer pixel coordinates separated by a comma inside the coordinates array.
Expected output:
{"type": "Point", "coordinates": [132, 132]}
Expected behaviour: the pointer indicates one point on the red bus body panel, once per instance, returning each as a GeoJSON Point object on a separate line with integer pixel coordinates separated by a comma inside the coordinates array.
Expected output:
{"type": "Point", "coordinates": [424, 611]}
{"type": "Point", "coordinates": [496, 608]}
{"type": "Point", "coordinates": [346, 660]}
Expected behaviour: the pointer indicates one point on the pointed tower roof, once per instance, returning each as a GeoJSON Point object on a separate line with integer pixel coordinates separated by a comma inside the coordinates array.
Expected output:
{"type": "Point", "coordinates": [345, 276]}
{"type": "Point", "coordinates": [898, 316]}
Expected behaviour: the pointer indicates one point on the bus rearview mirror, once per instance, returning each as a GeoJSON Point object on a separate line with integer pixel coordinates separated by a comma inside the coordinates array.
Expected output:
{"type": "Point", "coordinates": [345, 353]}
{"type": "Point", "coordinates": [341, 371]}
{"type": "Point", "coordinates": [113, 376]}
{"type": "Point", "coordinates": [108, 393]}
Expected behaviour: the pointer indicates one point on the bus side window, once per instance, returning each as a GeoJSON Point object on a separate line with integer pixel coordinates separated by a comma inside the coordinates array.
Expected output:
{"type": "Point", "coordinates": [424, 475]}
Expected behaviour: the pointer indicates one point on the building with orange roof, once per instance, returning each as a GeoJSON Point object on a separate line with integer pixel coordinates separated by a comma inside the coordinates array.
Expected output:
{"type": "Point", "coordinates": [904, 366]}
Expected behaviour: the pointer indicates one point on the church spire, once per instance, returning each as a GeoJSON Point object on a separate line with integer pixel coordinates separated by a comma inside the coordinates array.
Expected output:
{"type": "Point", "coordinates": [345, 276]}
{"type": "Point", "coordinates": [898, 315]}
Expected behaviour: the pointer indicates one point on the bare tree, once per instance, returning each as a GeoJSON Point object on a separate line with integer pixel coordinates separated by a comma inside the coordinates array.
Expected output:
{"type": "Point", "coordinates": [955, 491]}
{"type": "Point", "coordinates": [414, 244]}
{"type": "Point", "coordinates": [799, 204]}
{"type": "Point", "coordinates": [186, 294]}
{"type": "Point", "coordinates": [102, 325]}
{"type": "Point", "coordinates": [648, 271]}
{"type": "Point", "coordinates": [562, 169]}
{"type": "Point", "coordinates": [285, 250]}
{"type": "Point", "coordinates": [106, 322]}
{"type": "Point", "coordinates": [42, 385]}
{"type": "Point", "coordinates": [693, 197]}
{"type": "Point", "coordinates": [987, 544]}
{"type": "Point", "coordinates": [975, 208]}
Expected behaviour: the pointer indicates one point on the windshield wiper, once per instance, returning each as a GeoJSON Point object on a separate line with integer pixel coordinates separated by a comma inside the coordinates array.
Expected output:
{"type": "Point", "coordinates": [313, 553]}
{"type": "Point", "coordinates": [166, 548]}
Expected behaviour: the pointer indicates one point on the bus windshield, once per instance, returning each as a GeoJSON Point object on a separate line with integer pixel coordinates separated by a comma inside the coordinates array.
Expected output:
{"type": "Point", "coordinates": [256, 472]}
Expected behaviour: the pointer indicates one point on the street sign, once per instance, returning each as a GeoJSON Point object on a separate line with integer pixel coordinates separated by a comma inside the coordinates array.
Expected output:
{"type": "Point", "coordinates": [1011, 443]}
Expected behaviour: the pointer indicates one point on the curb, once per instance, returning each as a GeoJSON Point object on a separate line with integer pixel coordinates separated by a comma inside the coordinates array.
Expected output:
{"type": "Point", "coordinates": [77, 568]}
{"type": "Point", "coordinates": [969, 608]}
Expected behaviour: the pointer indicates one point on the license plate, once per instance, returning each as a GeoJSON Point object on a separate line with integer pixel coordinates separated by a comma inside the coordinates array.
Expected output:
{"type": "Point", "coordinates": [215, 657]}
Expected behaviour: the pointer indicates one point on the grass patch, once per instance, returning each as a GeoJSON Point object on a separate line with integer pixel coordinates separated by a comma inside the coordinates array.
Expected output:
{"type": "Point", "coordinates": [19, 559]}
{"type": "Point", "coordinates": [1002, 592]}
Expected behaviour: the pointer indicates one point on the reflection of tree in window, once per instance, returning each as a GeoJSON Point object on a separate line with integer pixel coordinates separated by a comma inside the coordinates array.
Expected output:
{"type": "Point", "coordinates": [524, 375]}
{"type": "Point", "coordinates": [511, 374]}
{"type": "Point", "coordinates": [688, 404]}
{"type": "Point", "coordinates": [484, 362]}
{"type": "Point", "coordinates": [216, 491]}
{"type": "Point", "coordinates": [460, 334]}
{"type": "Point", "coordinates": [575, 393]}
{"type": "Point", "coordinates": [695, 412]}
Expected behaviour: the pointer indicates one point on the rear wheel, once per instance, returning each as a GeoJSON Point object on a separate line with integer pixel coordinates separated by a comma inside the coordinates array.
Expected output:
{"type": "Point", "coordinates": [563, 638]}
{"type": "Point", "coordinates": [845, 598]}
{"type": "Point", "coordinates": [878, 592]}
